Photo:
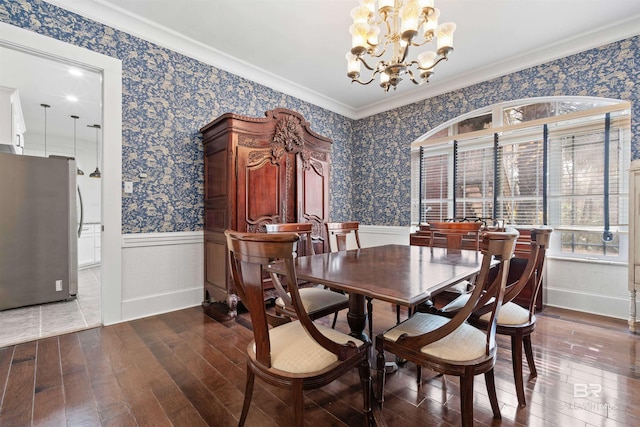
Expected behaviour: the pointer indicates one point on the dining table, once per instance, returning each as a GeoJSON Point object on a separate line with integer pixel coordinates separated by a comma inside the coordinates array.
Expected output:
{"type": "Point", "coordinates": [400, 274]}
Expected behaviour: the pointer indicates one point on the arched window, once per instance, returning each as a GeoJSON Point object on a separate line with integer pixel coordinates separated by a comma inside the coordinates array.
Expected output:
{"type": "Point", "coordinates": [556, 161]}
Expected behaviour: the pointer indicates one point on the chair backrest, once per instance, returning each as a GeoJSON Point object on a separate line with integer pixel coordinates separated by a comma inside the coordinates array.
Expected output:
{"type": "Point", "coordinates": [453, 232]}
{"type": "Point", "coordinates": [303, 229]}
{"type": "Point", "coordinates": [498, 246]}
{"type": "Point", "coordinates": [249, 253]}
{"type": "Point", "coordinates": [532, 271]}
{"type": "Point", "coordinates": [339, 232]}
{"type": "Point", "coordinates": [540, 238]}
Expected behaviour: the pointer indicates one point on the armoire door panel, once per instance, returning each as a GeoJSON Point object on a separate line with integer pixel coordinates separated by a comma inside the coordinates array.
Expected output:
{"type": "Point", "coordinates": [260, 189]}
{"type": "Point", "coordinates": [313, 197]}
{"type": "Point", "coordinates": [264, 199]}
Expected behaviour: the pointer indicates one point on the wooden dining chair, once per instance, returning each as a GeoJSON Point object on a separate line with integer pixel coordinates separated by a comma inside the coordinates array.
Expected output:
{"type": "Point", "coordinates": [451, 346]}
{"type": "Point", "coordinates": [298, 355]}
{"type": "Point", "coordinates": [513, 320]}
{"type": "Point", "coordinates": [453, 232]}
{"type": "Point", "coordinates": [318, 301]}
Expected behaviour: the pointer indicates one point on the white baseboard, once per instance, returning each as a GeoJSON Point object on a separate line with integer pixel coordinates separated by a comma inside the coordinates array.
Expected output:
{"type": "Point", "coordinates": [163, 303]}
{"type": "Point", "coordinates": [603, 305]}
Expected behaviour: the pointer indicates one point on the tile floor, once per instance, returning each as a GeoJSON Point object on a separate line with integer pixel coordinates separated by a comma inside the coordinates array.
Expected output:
{"type": "Point", "coordinates": [29, 323]}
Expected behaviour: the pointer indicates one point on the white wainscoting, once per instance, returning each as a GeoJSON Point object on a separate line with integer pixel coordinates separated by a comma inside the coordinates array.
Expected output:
{"type": "Point", "coordinates": [164, 272]}
{"type": "Point", "coordinates": [591, 287]}
{"type": "Point", "coordinates": [161, 272]}
{"type": "Point", "coordinates": [377, 235]}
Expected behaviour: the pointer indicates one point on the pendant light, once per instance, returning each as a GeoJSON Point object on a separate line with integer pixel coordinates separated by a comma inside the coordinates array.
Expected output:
{"type": "Point", "coordinates": [96, 173]}
{"type": "Point", "coordinates": [75, 121]}
{"type": "Point", "coordinates": [45, 106]}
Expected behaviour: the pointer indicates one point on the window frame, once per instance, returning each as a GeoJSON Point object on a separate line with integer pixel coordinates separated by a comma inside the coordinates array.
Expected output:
{"type": "Point", "coordinates": [428, 143]}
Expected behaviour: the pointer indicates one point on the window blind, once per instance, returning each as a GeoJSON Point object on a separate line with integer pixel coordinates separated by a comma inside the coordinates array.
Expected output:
{"type": "Point", "coordinates": [520, 163]}
{"type": "Point", "coordinates": [546, 172]}
{"type": "Point", "coordinates": [474, 180]}
{"type": "Point", "coordinates": [435, 196]}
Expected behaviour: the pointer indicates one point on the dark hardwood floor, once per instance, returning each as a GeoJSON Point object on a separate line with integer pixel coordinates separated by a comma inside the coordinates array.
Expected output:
{"type": "Point", "coordinates": [185, 369]}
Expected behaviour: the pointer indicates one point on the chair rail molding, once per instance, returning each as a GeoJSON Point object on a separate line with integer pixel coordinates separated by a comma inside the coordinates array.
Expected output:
{"type": "Point", "coordinates": [132, 240]}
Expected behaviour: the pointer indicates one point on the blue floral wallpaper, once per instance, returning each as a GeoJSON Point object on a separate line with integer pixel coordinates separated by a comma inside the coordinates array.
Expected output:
{"type": "Point", "coordinates": [382, 182]}
{"type": "Point", "coordinates": [168, 97]}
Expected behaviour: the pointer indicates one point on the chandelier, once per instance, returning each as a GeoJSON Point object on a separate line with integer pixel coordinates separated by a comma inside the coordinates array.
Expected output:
{"type": "Point", "coordinates": [401, 20]}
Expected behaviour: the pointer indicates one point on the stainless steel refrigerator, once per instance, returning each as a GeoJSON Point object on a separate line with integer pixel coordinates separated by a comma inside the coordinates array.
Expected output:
{"type": "Point", "coordinates": [38, 230]}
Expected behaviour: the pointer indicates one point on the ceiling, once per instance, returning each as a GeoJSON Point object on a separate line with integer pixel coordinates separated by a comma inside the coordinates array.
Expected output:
{"type": "Point", "coordinates": [299, 46]}
{"type": "Point", "coordinates": [41, 80]}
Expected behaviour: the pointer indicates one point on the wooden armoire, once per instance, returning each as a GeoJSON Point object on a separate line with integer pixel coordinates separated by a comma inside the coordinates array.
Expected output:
{"type": "Point", "coordinates": [259, 171]}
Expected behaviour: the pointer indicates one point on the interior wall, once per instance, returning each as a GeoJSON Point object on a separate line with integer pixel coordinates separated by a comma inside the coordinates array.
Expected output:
{"type": "Point", "coordinates": [382, 162]}
{"type": "Point", "coordinates": [167, 98]}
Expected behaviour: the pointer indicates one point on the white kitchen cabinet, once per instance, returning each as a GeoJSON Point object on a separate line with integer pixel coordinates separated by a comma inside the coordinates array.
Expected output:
{"type": "Point", "coordinates": [97, 242]}
{"type": "Point", "coordinates": [12, 126]}
{"type": "Point", "coordinates": [89, 246]}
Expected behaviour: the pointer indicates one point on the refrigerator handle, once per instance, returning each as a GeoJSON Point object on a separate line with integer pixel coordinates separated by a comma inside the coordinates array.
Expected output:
{"type": "Point", "coordinates": [81, 213]}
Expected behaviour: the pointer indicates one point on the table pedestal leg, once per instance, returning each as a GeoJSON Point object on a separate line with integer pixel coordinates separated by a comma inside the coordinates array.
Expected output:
{"type": "Point", "coordinates": [357, 316]}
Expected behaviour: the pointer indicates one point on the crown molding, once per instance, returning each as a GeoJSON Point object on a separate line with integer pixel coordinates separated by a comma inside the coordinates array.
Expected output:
{"type": "Point", "coordinates": [120, 19]}
{"type": "Point", "coordinates": [113, 16]}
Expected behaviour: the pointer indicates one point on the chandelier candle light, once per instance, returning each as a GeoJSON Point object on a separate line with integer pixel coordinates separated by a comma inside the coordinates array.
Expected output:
{"type": "Point", "coordinates": [402, 21]}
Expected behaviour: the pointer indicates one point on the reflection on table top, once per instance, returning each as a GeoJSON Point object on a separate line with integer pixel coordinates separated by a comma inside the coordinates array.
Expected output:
{"type": "Point", "coordinates": [405, 275]}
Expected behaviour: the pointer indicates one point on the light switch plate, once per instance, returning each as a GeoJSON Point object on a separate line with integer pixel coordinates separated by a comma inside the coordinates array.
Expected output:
{"type": "Point", "coordinates": [128, 187]}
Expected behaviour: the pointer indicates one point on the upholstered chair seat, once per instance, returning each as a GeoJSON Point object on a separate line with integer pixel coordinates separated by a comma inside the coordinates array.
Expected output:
{"type": "Point", "coordinates": [465, 343]}
{"type": "Point", "coordinates": [510, 314]}
{"type": "Point", "coordinates": [316, 298]}
{"type": "Point", "coordinates": [294, 351]}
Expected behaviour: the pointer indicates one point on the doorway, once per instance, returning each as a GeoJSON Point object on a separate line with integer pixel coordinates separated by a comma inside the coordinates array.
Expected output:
{"type": "Point", "coordinates": [108, 156]}
{"type": "Point", "coordinates": [58, 106]}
